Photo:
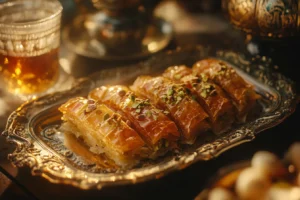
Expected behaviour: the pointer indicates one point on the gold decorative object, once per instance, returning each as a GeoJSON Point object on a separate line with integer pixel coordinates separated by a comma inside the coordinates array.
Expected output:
{"type": "Point", "coordinates": [41, 145]}
{"type": "Point", "coordinates": [267, 18]}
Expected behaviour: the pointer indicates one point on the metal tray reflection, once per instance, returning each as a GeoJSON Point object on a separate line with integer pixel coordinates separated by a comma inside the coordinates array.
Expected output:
{"type": "Point", "coordinates": [34, 126]}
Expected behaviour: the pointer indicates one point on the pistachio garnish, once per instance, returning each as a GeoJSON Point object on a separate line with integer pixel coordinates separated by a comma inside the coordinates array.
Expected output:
{"type": "Point", "coordinates": [204, 77]}
{"type": "Point", "coordinates": [138, 110]}
{"type": "Point", "coordinates": [207, 90]}
{"type": "Point", "coordinates": [177, 76]}
{"type": "Point", "coordinates": [170, 92]}
{"type": "Point", "coordinates": [106, 116]}
{"type": "Point", "coordinates": [203, 93]}
{"type": "Point", "coordinates": [90, 108]}
{"type": "Point", "coordinates": [148, 113]}
{"type": "Point", "coordinates": [174, 94]}
{"type": "Point", "coordinates": [132, 98]}
{"type": "Point", "coordinates": [135, 104]}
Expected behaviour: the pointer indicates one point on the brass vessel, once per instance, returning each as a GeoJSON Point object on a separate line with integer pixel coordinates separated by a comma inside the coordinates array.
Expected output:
{"type": "Point", "coordinates": [266, 18]}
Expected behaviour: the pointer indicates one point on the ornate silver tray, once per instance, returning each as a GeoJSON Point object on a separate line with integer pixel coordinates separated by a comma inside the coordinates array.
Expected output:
{"type": "Point", "coordinates": [40, 145]}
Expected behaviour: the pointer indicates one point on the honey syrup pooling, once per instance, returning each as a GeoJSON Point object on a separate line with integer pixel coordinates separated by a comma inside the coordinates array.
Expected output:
{"type": "Point", "coordinates": [29, 75]}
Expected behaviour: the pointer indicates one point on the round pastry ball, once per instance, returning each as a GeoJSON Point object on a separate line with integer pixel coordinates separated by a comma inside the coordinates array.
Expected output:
{"type": "Point", "coordinates": [279, 191]}
{"type": "Point", "coordinates": [294, 193]}
{"type": "Point", "coordinates": [220, 194]}
{"type": "Point", "coordinates": [252, 184]}
{"type": "Point", "coordinates": [268, 162]}
{"type": "Point", "coordinates": [293, 155]}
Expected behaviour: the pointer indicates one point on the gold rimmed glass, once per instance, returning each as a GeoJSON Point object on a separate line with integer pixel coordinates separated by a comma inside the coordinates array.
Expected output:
{"type": "Point", "coordinates": [29, 45]}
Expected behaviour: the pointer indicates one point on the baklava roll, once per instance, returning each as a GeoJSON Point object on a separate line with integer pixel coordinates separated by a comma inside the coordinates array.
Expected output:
{"type": "Point", "coordinates": [157, 130]}
{"type": "Point", "coordinates": [104, 131]}
{"type": "Point", "coordinates": [174, 99]}
{"type": "Point", "coordinates": [210, 96]}
{"type": "Point", "coordinates": [242, 93]}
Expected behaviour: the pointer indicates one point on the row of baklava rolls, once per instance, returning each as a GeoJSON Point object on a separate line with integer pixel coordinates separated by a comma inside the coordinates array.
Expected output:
{"type": "Point", "coordinates": [151, 117]}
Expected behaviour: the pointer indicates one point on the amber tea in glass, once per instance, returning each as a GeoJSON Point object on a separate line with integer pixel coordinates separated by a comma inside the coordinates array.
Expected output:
{"type": "Point", "coordinates": [29, 45]}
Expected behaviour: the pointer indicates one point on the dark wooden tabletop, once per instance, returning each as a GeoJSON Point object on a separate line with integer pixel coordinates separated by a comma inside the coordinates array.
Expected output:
{"type": "Point", "coordinates": [207, 29]}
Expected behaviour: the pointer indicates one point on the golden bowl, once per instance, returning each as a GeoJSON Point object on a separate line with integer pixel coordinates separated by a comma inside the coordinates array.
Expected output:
{"type": "Point", "coordinates": [266, 18]}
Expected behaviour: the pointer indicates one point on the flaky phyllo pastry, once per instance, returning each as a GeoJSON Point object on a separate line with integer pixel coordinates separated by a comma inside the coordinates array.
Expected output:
{"type": "Point", "coordinates": [104, 130]}
{"type": "Point", "coordinates": [209, 95]}
{"type": "Point", "coordinates": [157, 130]}
{"type": "Point", "coordinates": [158, 115]}
{"type": "Point", "coordinates": [241, 93]}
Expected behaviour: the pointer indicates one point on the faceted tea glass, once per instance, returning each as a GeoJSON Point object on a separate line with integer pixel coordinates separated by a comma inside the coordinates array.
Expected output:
{"type": "Point", "coordinates": [29, 45]}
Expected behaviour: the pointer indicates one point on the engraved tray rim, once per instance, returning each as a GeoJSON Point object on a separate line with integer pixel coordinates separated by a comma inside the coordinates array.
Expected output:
{"type": "Point", "coordinates": [48, 164]}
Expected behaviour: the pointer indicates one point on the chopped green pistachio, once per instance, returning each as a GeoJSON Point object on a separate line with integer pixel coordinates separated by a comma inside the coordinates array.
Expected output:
{"type": "Point", "coordinates": [164, 98]}
{"type": "Point", "coordinates": [148, 113]}
{"type": "Point", "coordinates": [138, 110]}
{"type": "Point", "coordinates": [132, 98]}
{"type": "Point", "coordinates": [223, 70]}
{"type": "Point", "coordinates": [155, 117]}
{"type": "Point", "coordinates": [177, 76]}
{"type": "Point", "coordinates": [207, 86]}
{"type": "Point", "coordinates": [135, 104]}
{"type": "Point", "coordinates": [145, 103]}
{"type": "Point", "coordinates": [204, 78]}
{"type": "Point", "coordinates": [106, 116]}
{"type": "Point", "coordinates": [181, 93]}
{"type": "Point", "coordinates": [178, 99]}
{"type": "Point", "coordinates": [170, 92]}
{"type": "Point", "coordinates": [156, 111]}
{"type": "Point", "coordinates": [204, 94]}
{"type": "Point", "coordinates": [223, 67]}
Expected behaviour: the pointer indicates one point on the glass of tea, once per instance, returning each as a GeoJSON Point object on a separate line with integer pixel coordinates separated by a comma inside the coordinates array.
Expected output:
{"type": "Point", "coordinates": [29, 45]}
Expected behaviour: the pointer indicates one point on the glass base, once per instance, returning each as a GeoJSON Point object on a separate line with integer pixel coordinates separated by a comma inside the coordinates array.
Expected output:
{"type": "Point", "coordinates": [82, 38]}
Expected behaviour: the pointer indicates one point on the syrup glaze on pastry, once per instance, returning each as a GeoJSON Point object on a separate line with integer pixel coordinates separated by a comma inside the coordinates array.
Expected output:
{"type": "Point", "coordinates": [174, 99]}
{"type": "Point", "coordinates": [104, 130]}
{"type": "Point", "coordinates": [241, 93]}
{"type": "Point", "coordinates": [210, 96]}
{"type": "Point", "coordinates": [156, 115]}
{"type": "Point", "coordinates": [157, 130]}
